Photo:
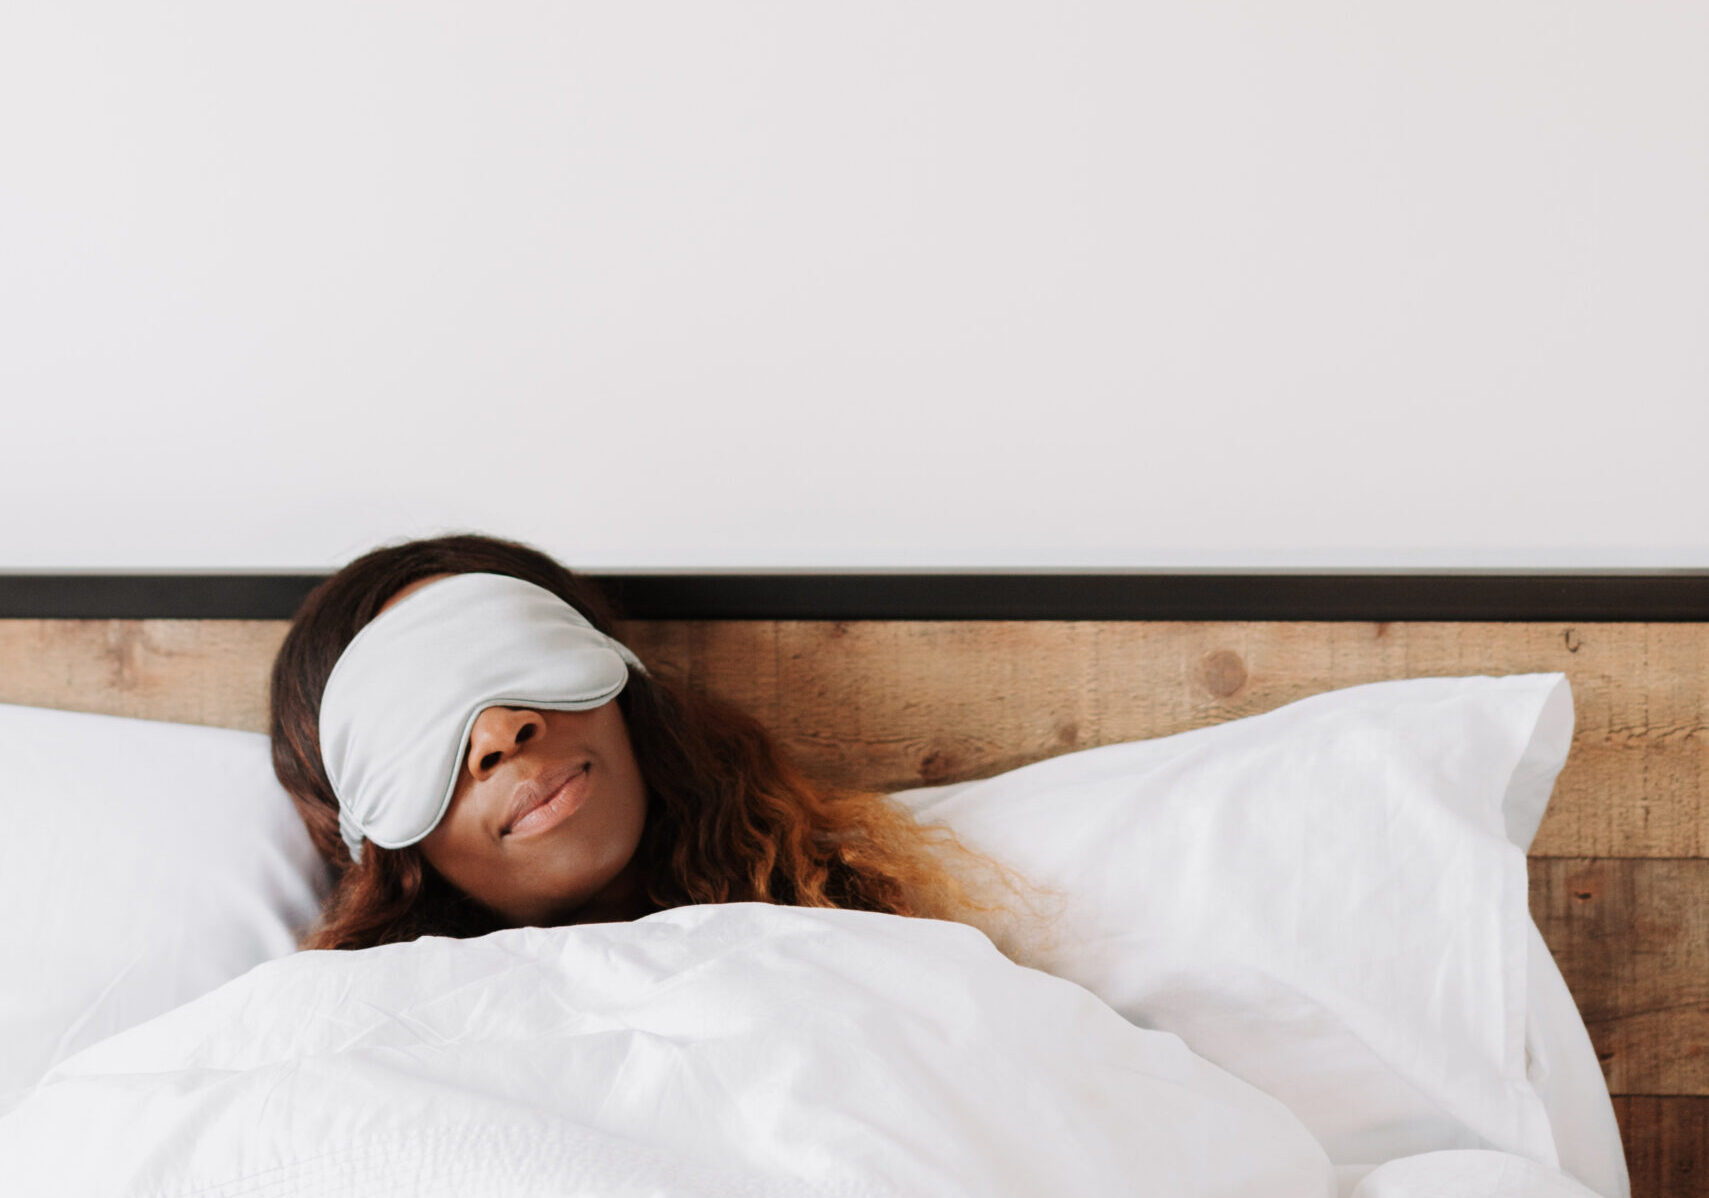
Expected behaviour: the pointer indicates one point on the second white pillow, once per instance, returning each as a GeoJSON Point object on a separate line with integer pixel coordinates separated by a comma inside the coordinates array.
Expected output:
{"type": "Point", "coordinates": [1329, 900]}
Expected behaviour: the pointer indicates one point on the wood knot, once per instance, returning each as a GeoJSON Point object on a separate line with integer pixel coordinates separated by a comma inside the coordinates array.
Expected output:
{"type": "Point", "coordinates": [1583, 896]}
{"type": "Point", "coordinates": [125, 648]}
{"type": "Point", "coordinates": [937, 765]}
{"type": "Point", "coordinates": [1223, 673]}
{"type": "Point", "coordinates": [1068, 734]}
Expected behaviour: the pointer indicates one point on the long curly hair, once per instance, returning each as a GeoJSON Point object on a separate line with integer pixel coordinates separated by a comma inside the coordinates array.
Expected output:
{"type": "Point", "coordinates": [729, 818]}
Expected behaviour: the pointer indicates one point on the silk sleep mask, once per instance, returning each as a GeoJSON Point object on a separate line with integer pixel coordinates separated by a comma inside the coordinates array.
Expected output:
{"type": "Point", "coordinates": [401, 701]}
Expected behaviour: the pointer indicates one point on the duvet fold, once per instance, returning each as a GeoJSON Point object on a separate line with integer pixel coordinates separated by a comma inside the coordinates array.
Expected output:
{"type": "Point", "coordinates": [739, 1049]}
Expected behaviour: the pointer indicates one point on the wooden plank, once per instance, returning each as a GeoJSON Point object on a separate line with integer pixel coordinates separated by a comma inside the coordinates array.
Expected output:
{"type": "Point", "coordinates": [893, 704]}
{"type": "Point", "coordinates": [890, 704]}
{"type": "Point", "coordinates": [189, 671]}
{"type": "Point", "coordinates": [1667, 1145]}
{"type": "Point", "coordinates": [1632, 940]}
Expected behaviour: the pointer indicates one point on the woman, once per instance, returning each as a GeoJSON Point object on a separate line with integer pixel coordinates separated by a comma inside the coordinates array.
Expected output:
{"type": "Point", "coordinates": [575, 805]}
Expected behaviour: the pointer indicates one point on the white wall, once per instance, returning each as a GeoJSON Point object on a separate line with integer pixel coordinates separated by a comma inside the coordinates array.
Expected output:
{"type": "Point", "coordinates": [890, 283]}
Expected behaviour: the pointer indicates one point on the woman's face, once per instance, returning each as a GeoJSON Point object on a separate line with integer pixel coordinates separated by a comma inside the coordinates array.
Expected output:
{"type": "Point", "coordinates": [546, 814]}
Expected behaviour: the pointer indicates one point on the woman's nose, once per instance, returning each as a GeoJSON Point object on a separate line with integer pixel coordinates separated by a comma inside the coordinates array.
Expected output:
{"type": "Point", "coordinates": [497, 734]}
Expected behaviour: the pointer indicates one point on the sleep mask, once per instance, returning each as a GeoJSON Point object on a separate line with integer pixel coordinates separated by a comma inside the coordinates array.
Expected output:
{"type": "Point", "coordinates": [402, 699]}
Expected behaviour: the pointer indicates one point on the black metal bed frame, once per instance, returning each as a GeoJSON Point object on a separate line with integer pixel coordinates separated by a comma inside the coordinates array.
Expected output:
{"type": "Point", "coordinates": [1529, 596]}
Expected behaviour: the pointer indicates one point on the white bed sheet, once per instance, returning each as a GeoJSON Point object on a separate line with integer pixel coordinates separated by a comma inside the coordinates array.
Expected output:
{"type": "Point", "coordinates": [1564, 1069]}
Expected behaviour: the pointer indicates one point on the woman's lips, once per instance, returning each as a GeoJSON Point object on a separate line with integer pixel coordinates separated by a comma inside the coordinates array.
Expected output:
{"type": "Point", "coordinates": [559, 806]}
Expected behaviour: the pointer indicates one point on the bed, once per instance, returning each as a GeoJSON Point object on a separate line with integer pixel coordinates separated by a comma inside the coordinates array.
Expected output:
{"type": "Point", "coordinates": [939, 680]}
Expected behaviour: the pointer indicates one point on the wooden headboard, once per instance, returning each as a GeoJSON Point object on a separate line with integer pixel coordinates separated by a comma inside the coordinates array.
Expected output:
{"type": "Point", "coordinates": [990, 675]}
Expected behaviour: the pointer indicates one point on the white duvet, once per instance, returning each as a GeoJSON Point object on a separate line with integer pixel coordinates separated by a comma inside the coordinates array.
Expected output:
{"type": "Point", "coordinates": [742, 1049]}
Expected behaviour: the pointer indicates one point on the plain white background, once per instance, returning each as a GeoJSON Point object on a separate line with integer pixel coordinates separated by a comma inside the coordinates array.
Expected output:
{"type": "Point", "coordinates": [896, 283]}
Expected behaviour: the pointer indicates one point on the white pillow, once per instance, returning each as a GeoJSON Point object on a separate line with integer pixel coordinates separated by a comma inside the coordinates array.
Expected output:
{"type": "Point", "coordinates": [142, 864]}
{"type": "Point", "coordinates": [1329, 900]}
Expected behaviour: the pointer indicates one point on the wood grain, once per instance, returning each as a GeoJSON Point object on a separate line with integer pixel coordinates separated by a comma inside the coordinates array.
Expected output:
{"type": "Point", "coordinates": [891, 704]}
{"type": "Point", "coordinates": [187, 671]}
{"type": "Point", "coordinates": [1667, 1145]}
{"type": "Point", "coordinates": [1632, 940]}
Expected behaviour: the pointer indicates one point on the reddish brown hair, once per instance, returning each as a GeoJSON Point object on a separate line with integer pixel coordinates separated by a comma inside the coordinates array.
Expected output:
{"type": "Point", "coordinates": [729, 818]}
